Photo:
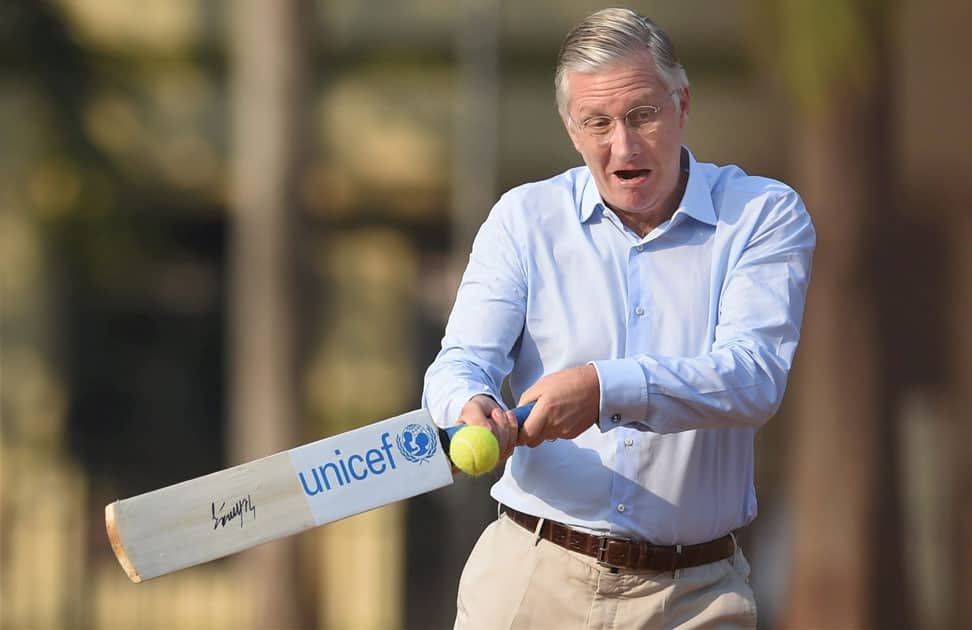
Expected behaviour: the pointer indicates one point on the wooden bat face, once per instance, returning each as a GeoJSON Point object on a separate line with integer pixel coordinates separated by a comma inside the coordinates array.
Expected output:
{"type": "Point", "coordinates": [234, 509]}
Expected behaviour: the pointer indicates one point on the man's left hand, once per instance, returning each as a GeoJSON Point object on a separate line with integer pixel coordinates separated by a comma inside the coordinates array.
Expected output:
{"type": "Point", "coordinates": [568, 402]}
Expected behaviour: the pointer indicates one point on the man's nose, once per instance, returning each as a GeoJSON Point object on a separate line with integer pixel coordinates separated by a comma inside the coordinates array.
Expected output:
{"type": "Point", "coordinates": [625, 140]}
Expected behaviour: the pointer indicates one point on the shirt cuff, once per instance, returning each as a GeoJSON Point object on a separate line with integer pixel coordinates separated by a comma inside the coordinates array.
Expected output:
{"type": "Point", "coordinates": [453, 409]}
{"type": "Point", "coordinates": [624, 392]}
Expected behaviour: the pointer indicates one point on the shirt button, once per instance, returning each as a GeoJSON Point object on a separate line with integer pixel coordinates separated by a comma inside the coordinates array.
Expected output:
{"type": "Point", "coordinates": [639, 311]}
{"type": "Point", "coordinates": [628, 442]}
{"type": "Point", "coordinates": [616, 418]}
{"type": "Point", "coordinates": [640, 248]}
{"type": "Point", "coordinates": [620, 507]}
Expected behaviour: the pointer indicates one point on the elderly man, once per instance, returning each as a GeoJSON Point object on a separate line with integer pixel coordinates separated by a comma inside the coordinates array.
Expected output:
{"type": "Point", "coordinates": [650, 304]}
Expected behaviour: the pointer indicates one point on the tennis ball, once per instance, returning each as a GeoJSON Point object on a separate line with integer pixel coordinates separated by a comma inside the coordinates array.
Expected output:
{"type": "Point", "coordinates": [474, 450]}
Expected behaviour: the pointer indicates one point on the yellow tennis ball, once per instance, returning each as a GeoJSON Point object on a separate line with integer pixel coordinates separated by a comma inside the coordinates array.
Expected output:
{"type": "Point", "coordinates": [474, 450]}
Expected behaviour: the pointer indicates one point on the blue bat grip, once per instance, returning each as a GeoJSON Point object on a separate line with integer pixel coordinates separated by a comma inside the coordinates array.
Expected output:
{"type": "Point", "coordinates": [521, 414]}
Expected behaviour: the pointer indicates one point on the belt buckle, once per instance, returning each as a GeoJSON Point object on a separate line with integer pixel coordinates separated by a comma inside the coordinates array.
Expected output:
{"type": "Point", "coordinates": [602, 550]}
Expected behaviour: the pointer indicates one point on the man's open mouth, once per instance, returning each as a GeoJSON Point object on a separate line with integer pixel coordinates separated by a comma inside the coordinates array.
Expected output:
{"type": "Point", "coordinates": [633, 174]}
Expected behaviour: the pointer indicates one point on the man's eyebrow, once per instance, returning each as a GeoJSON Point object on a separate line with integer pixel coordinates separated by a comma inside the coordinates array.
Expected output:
{"type": "Point", "coordinates": [647, 98]}
{"type": "Point", "coordinates": [586, 112]}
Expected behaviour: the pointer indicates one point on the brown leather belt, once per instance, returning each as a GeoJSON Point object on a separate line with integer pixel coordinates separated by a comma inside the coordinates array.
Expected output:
{"type": "Point", "coordinates": [622, 553]}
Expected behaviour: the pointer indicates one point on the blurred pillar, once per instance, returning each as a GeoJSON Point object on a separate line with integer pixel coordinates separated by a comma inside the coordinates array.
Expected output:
{"type": "Point", "coordinates": [833, 477]}
{"type": "Point", "coordinates": [951, 161]}
{"type": "Point", "coordinates": [846, 564]}
{"type": "Point", "coordinates": [266, 102]}
{"type": "Point", "coordinates": [476, 122]}
{"type": "Point", "coordinates": [961, 501]}
{"type": "Point", "coordinates": [360, 373]}
{"type": "Point", "coordinates": [43, 492]}
{"type": "Point", "coordinates": [466, 506]}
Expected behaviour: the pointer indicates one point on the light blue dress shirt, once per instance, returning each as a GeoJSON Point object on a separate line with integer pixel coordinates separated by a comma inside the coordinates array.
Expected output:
{"type": "Point", "coordinates": [692, 330]}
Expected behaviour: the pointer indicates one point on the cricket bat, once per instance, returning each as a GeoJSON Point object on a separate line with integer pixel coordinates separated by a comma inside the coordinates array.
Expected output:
{"type": "Point", "coordinates": [219, 514]}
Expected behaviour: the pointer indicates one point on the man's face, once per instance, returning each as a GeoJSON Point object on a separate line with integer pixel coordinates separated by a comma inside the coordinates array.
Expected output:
{"type": "Point", "coordinates": [636, 172]}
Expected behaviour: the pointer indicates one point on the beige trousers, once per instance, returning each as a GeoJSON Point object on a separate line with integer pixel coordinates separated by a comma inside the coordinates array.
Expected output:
{"type": "Point", "coordinates": [513, 580]}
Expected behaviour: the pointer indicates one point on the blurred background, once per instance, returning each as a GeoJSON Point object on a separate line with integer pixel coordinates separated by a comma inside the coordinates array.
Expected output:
{"type": "Point", "coordinates": [228, 228]}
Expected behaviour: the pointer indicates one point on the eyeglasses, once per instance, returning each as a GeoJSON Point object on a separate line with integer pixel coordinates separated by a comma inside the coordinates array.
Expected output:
{"type": "Point", "coordinates": [641, 119]}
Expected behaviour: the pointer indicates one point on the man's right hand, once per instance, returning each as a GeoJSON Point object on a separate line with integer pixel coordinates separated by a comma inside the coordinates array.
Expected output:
{"type": "Point", "coordinates": [482, 410]}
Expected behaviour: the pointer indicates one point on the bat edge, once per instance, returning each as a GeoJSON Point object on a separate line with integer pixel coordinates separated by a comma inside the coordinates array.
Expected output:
{"type": "Point", "coordinates": [114, 537]}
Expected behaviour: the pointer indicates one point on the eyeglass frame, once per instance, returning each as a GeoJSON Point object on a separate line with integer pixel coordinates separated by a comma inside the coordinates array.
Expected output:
{"type": "Point", "coordinates": [605, 137]}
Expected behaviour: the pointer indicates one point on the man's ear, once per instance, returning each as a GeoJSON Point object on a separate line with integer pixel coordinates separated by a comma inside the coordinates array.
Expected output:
{"type": "Point", "coordinates": [685, 103]}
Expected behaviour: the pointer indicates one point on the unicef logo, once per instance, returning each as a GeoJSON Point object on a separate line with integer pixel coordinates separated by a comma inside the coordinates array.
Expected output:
{"type": "Point", "coordinates": [417, 443]}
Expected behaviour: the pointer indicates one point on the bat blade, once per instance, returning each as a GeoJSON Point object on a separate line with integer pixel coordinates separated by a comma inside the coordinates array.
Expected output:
{"type": "Point", "coordinates": [219, 514]}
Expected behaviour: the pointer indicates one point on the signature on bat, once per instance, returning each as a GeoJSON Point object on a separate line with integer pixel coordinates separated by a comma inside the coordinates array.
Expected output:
{"type": "Point", "coordinates": [237, 511]}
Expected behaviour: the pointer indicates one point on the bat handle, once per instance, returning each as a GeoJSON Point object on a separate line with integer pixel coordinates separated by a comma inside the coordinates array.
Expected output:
{"type": "Point", "coordinates": [521, 414]}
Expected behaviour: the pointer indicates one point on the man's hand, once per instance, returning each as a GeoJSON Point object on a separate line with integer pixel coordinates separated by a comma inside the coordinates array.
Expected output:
{"type": "Point", "coordinates": [482, 410]}
{"type": "Point", "coordinates": [568, 402]}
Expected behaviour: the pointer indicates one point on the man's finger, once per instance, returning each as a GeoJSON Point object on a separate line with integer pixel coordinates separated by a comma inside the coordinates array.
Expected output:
{"type": "Point", "coordinates": [514, 426]}
{"type": "Point", "coordinates": [500, 426]}
{"type": "Point", "coordinates": [538, 438]}
{"type": "Point", "coordinates": [532, 432]}
{"type": "Point", "coordinates": [529, 396]}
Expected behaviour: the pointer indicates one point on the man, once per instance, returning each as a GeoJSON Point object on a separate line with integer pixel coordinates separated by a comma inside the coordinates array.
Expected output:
{"type": "Point", "coordinates": [650, 304]}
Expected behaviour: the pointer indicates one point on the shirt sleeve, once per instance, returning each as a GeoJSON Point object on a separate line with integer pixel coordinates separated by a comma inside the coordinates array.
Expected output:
{"type": "Point", "coordinates": [485, 324]}
{"type": "Point", "coordinates": [741, 381]}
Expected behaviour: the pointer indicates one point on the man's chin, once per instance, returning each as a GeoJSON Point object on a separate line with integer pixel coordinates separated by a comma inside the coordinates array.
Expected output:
{"type": "Point", "coordinates": [632, 202]}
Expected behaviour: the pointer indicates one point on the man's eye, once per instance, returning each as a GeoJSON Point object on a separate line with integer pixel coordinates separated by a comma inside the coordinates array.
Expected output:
{"type": "Point", "coordinates": [642, 116]}
{"type": "Point", "coordinates": [598, 124]}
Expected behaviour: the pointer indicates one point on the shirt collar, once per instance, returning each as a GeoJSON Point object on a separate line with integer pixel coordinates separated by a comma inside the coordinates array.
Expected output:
{"type": "Point", "coordinates": [590, 199]}
{"type": "Point", "coordinates": [696, 202]}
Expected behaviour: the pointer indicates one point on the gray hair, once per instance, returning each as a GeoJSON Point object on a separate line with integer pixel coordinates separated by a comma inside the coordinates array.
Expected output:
{"type": "Point", "coordinates": [609, 37]}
